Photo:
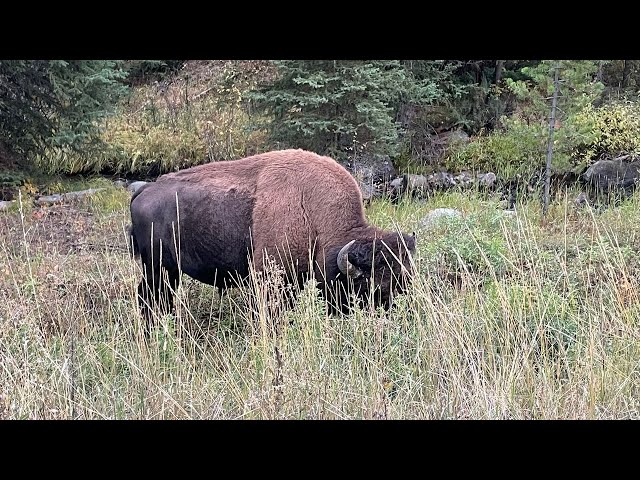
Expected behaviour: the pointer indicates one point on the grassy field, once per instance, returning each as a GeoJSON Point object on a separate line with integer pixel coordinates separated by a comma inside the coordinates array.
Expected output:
{"type": "Point", "coordinates": [512, 317]}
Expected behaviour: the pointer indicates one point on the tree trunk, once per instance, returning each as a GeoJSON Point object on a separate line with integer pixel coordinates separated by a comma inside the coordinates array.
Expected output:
{"type": "Point", "coordinates": [552, 122]}
{"type": "Point", "coordinates": [626, 69]}
{"type": "Point", "coordinates": [599, 75]}
{"type": "Point", "coordinates": [499, 70]}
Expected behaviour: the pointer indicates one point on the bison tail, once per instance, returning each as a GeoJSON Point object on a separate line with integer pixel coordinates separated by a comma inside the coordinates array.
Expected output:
{"type": "Point", "coordinates": [132, 243]}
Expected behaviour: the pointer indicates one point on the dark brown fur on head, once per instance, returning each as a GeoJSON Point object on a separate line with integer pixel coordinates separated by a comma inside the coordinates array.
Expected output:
{"type": "Point", "coordinates": [379, 269]}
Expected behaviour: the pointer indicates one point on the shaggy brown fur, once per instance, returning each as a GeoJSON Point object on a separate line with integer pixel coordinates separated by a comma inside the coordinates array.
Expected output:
{"type": "Point", "coordinates": [294, 205]}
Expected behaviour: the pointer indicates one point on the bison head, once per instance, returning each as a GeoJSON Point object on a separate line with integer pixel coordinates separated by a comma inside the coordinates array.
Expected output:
{"type": "Point", "coordinates": [378, 268]}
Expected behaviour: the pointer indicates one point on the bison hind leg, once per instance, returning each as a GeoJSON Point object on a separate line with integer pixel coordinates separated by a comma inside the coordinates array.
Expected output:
{"type": "Point", "coordinates": [156, 294]}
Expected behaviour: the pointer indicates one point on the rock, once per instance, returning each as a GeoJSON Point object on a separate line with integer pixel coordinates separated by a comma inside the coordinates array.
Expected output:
{"type": "Point", "coordinates": [135, 186]}
{"type": "Point", "coordinates": [120, 183]}
{"type": "Point", "coordinates": [436, 215]}
{"type": "Point", "coordinates": [395, 189]}
{"type": "Point", "coordinates": [464, 179]}
{"type": "Point", "coordinates": [441, 180]}
{"type": "Point", "coordinates": [454, 136]}
{"type": "Point", "coordinates": [371, 169]}
{"type": "Point", "coordinates": [66, 197]}
{"type": "Point", "coordinates": [397, 184]}
{"type": "Point", "coordinates": [487, 179]}
{"type": "Point", "coordinates": [582, 200]}
{"type": "Point", "coordinates": [617, 174]}
{"type": "Point", "coordinates": [6, 204]}
{"type": "Point", "coordinates": [416, 184]}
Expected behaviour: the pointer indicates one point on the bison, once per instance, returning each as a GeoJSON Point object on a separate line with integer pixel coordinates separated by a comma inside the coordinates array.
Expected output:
{"type": "Point", "coordinates": [298, 209]}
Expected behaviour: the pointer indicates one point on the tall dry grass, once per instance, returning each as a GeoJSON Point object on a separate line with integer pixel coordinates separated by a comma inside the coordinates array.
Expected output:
{"type": "Point", "coordinates": [510, 318]}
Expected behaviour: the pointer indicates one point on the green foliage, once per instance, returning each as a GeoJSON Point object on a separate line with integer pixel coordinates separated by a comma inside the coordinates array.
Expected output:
{"type": "Point", "coordinates": [578, 88]}
{"type": "Point", "coordinates": [154, 149]}
{"type": "Point", "coordinates": [549, 317]}
{"type": "Point", "coordinates": [57, 104]}
{"type": "Point", "coordinates": [341, 107]}
{"type": "Point", "coordinates": [142, 71]}
{"type": "Point", "coordinates": [473, 244]}
{"type": "Point", "coordinates": [110, 200]}
{"type": "Point", "coordinates": [621, 79]}
{"type": "Point", "coordinates": [518, 150]}
{"type": "Point", "coordinates": [520, 146]}
{"type": "Point", "coordinates": [610, 130]}
{"type": "Point", "coordinates": [478, 97]}
{"type": "Point", "coordinates": [163, 129]}
{"type": "Point", "coordinates": [10, 181]}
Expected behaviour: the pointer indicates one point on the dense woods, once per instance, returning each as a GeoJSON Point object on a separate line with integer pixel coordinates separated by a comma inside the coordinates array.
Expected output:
{"type": "Point", "coordinates": [149, 116]}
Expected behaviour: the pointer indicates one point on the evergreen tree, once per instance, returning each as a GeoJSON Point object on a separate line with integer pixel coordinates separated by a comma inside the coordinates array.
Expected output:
{"type": "Point", "coordinates": [341, 107]}
{"type": "Point", "coordinates": [56, 103]}
{"type": "Point", "coordinates": [579, 88]}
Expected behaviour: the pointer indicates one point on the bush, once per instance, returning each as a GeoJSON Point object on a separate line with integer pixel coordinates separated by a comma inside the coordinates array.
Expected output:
{"type": "Point", "coordinates": [608, 131]}
{"type": "Point", "coordinates": [167, 128]}
{"type": "Point", "coordinates": [518, 150]}
{"type": "Point", "coordinates": [589, 135]}
{"type": "Point", "coordinates": [474, 244]}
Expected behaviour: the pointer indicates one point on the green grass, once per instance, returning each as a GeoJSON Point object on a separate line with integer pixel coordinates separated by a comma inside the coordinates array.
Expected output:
{"type": "Point", "coordinates": [510, 317]}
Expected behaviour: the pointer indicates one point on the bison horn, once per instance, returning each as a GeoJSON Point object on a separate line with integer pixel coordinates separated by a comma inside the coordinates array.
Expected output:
{"type": "Point", "coordinates": [346, 267]}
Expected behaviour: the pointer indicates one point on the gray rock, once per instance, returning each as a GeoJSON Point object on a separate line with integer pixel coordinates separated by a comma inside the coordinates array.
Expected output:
{"type": "Point", "coordinates": [582, 200]}
{"type": "Point", "coordinates": [397, 183]}
{"type": "Point", "coordinates": [66, 197]}
{"type": "Point", "coordinates": [607, 175]}
{"type": "Point", "coordinates": [371, 169]}
{"type": "Point", "coordinates": [416, 183]}
{"type": "Point", "coordinates": [120, 183]}
{"type": "Point", "coordinates": [455, 136]}
{"type": "Point", "coordinates": [438, 214]}
{"type": "Point", "coordinates": [135, 186]}
{"type": "Point", "coordinates": [6, 204]}
{"type": "Point", "coordinates": [395, 189]}
{"type": "Point", "coordinates": [464, 179]}
{"type": "Point", "coordinates": [441, 180]}
{"type": "Point", "coordinates": [487, 179]}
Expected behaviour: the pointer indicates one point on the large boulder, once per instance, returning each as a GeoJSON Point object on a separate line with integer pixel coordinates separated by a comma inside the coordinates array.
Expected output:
{"type": "Point", "coordinates": [371, 169]}
{"type": "Point", "coordinates": [608, 175]}
{"type": "Point", "coordinates": [133, 187]}
{"type": "Point", "coordinates": [429, 147]}
{"type": "Point", "coordinates": [438, 215]}
{"type": "Point", "coordinates": [372, 172]}
{"type": "Point", "coordinates": [487, 180]}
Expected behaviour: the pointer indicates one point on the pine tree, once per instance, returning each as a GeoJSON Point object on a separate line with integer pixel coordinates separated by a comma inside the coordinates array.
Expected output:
{"type": "Point", "coordinates": [341, 107]}
{"type": "Point", "coordinates": [56, 103]}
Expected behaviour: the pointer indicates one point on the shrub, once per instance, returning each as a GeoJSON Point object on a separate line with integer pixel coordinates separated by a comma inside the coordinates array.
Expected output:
{"type": "Point", "coordinates": [162, 128]}
{"type": "Point", "coordinates": [474, 244]}
{"type": "Point", "coordinates": [517, 150]}
{"type": "Point", "coordinates": [607, 131]}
